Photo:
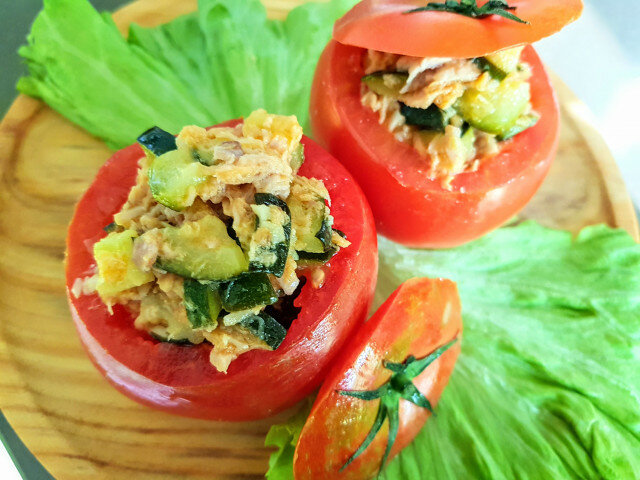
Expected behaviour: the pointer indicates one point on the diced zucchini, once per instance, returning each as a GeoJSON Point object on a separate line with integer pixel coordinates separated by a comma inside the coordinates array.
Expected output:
{"type": "Point", "coordinates": [505, 61]}
{"type": "Point", "coordinates": [297, 158]}
{"type": "Point", "coordinates": [432, 118]}
{"type": "Point", "coordinates": [202, 250]}
{"type": "Point", "coordinates": [317, 257]}
{"type": "Point", "coordinates": [386, 83]}
{"type": "Point", "coordinates": [247, 291]}
{"type": "Point", "coordinates": [313, 227]}
{"type": "Point", "coordinates": [266, 328]}
{"type": "Point", "coordinates": [174, 178]}
{"type": "Point", "coordinates": [523, 123]}
{"type": "Point", "coordinates": [269, 246]}
{"type": "Point", "coordinates": [486, 66]}
{"type": "Point", "coordinates": [157, 141]}
{"type": "Point", "coordinates": [468, 143]}
{"type": "Point", "coordinates": [495, 110]}
{"type": "Point", "coordinates": [112, 227]}
{"type": "Point", "coordinates": [202, 303]}
{"type": "Point", "coordinates": [116, 270]}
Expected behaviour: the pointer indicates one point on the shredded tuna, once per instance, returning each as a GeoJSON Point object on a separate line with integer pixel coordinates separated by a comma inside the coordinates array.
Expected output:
{"type": "Point", "coordinates": [229, 343]}
{"type": "Point", "coordinates": [432, 81]}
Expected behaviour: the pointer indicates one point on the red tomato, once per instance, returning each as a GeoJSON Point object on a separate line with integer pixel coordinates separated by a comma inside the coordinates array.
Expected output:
{"type": "Point", "coordinates": [408, 207]}
{"type": "Point", "coordinates": [420, 317]}
{"type": "Point", "coordinates": [382, 25]}
{"type": "Point", "coordinates": [180, 379]}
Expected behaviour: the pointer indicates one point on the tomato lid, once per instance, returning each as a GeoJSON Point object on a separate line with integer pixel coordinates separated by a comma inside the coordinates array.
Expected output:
{"type": "Point", "coordinates": [386, 25]}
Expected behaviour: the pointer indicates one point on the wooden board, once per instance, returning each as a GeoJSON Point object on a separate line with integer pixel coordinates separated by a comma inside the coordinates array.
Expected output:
{"type": "Point", "coordinates": [77, 425]}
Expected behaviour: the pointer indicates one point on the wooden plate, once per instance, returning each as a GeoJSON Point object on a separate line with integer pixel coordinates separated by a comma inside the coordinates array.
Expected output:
{"type": "Point", "coordinates": [77, 425]}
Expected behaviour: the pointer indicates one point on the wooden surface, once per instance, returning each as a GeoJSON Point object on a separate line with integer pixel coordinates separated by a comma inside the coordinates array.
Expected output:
{"type": "Point", "coordinates": [77, 425]}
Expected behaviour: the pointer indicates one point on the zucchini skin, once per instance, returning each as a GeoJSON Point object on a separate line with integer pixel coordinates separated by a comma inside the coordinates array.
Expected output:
{"type": "Point", "coordinates": [266, 328]}
{"type": "Point", "coordinates": [281, 249]}
{"type": "Point", "coordinates": [184, 343]}
{"type": "Point", "coordinates": [112, 227]}
{"type": "Point", "coordinates": [202, 304]}
{"type": "Point", "coordinates": [432, 118]}
{"type": "Point", "coordinates": [271, 199]}
{"type": "Point", "coordinates": [486, 66]}
{"type": "Point", "coordinates": [157, 141]}
{"type": "Point", "coordinates": [318, 257]}
{"type": "Point", "coordinates": [247, 291]}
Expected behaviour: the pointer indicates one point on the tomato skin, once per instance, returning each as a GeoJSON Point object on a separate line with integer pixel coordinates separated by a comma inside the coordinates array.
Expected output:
{"type": "Point", "coordinates": [420, 316]}
{"type": "Point", "coordinates": [407, 206]}
{"type": "Point", "coordinates": [180, 379]}
{"type": "Point", "coordinates": [383, 25]}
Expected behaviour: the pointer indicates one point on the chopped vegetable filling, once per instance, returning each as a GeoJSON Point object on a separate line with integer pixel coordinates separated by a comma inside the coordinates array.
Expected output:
{"type": "Point", "coordinates": [454, 112]}
{"type": "Point", "coordinates": [211, 235]}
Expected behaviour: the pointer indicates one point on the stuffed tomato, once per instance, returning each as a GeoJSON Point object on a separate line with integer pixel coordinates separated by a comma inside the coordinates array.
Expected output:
{"type": "Point", "coordinates": [444, 114]}
{"type": "Point", "coordinates": [216, 274]}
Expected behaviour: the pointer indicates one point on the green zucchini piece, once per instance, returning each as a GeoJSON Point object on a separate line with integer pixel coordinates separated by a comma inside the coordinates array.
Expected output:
{"type": "Point", "coordinates": [325, 233]}
{"type": "Point", "coordinates": [202, 303]}
{"type": "Point", "coordinates": [432, 118]}
{"type": "Point", "coordinates": [495, 110]}
{"type": "Point", "coordinates": [323, 257]}
{"type": "Point", "coordinates": [523, 123]}
{"type": "Point", "coordinates": [202, 250]}
{"type": "Point", "coordinates": [468, 142]}
{"type": "Point", "coordinates": [297, 158]}
{"type": "Point", "coordinates": [386, 83]}
{"type": "Point", "coordinates": [112, 227]}
{"type": "Point", "coordinates": [266, 328]}
{"type": "Point", "coordinates": [486, 66]}
{"type": "Point", "coordinates": [174, 178]}
{"type": "Point", "coordinates": [505, 61]}
{"type": "Point", "coordinates": [270, 199]}
{"type": "Point", "coordinates": [116, 270]}
{"type": "Point", "coordinates": [311, 225]}
{"type": "Point", "coordinates": [183, 341]}
{"type": "Point", "coordinates": [157, 141]}
{"type": "Point", "coordinates": [247, 291]}
{"type": "Point", "coordinates": [273, 216]}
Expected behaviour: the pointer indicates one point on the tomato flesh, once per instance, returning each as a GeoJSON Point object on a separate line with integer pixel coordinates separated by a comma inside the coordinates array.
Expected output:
{"type": "Point", "coordinates": [180, 379]}
{"type": "Point", "coordinates": [383, 25]}
{"type": "Point", "coordinates": [421, 316]}
{"type": "Point", "coordinates": [407, 206]}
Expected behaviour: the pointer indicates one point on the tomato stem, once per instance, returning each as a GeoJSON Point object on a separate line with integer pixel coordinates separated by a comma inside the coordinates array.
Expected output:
{"type": "Point", "coordinates": [470, 8]}
{"type": "Point", "coordinates": [400, 385]}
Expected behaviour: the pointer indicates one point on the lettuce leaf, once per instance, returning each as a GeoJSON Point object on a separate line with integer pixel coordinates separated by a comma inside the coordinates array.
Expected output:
{"type": "Point", "coordinates": [548, 382]}
{"type": "Point", "coordinates": [222, 62]}
{"type": "Point", "coordinates": [285, 437]}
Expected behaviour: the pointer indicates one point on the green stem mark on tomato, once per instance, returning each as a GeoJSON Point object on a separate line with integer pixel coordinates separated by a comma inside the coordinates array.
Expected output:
{"type": "Point", "coordinates": [470, 8]}
{"type": "Point", "coordinates": [400, 385]}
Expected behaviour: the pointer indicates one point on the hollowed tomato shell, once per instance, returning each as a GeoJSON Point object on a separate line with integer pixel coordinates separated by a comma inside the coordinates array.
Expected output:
{"type": "Point", "coordinates": [180, 379]}
{"type": "Point", "coordinates": [407, 206]}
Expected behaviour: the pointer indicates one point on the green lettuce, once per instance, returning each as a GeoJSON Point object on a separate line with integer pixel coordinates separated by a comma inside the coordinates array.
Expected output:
{"type": "Point", "coordinates": [548, 382]}
{"type": "Point", "coordinates": [222, 62]}
{"type": "Point", "coordinates": [285, 437]}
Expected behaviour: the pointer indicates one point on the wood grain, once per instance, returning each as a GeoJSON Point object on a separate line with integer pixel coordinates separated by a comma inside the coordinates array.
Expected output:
{"type": "Point", "coordinates": [65, 412]}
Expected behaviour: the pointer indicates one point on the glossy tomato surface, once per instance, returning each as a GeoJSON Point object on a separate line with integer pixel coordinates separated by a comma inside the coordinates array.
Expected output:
{"type": "Point", "coordinates": [180, 379]}
{"type": "Point", "coordinates": [407, 206]}
{"type": "Point", "coordinates": [421, 316]}
{"type": "Point", "coordinates": [384, 25]}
